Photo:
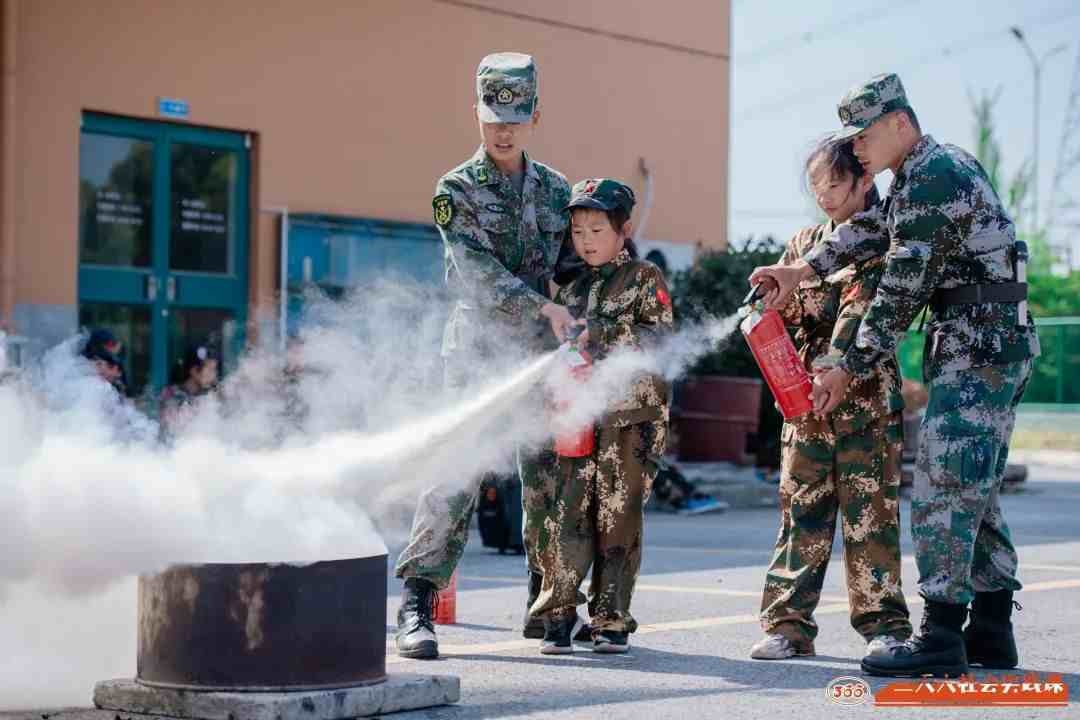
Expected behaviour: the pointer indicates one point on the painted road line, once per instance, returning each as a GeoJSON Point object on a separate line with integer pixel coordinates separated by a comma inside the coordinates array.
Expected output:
{"type": "Point", "coordinates": [1027, 566]}
{"type": "Point", "coordinates": [766, 552]}
{"type": "Point", "coordinates": [693, 624]}
{"type": "Point", "coordinates": [692, 589]}
{"type": "Point", "coordinates": [688, 589]}
{"type": "Point", "coordinates": [1052, 568]}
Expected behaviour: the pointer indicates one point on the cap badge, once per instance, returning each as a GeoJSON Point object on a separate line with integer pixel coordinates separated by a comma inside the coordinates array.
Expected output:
{"type": "Point", "coordinates": [504, 97]}
{"type": "Point", "coordinates": [845, 115]}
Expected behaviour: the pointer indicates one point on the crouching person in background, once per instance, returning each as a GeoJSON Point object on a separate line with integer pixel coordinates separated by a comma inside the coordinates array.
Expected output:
{"type": "Point", "coordinates": [595, 515]}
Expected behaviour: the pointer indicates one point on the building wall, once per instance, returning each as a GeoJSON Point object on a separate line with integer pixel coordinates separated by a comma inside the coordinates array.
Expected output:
{"type": "Point", "coordinates": [357, 107]}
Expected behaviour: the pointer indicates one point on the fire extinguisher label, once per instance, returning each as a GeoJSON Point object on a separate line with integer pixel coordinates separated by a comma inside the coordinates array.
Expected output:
{"type": "Point", "coordinates": [786, 369]}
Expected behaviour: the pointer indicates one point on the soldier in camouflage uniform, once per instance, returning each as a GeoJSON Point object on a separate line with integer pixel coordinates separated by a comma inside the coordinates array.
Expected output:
{"type": "Point", "coordinates": [595, 516]}
{"type": "Point", "coordinates": [951, 246]}
{"type": "Point", "coordinates": [847, 462]}
{"type": "Point", "coordinates": [501, 218]}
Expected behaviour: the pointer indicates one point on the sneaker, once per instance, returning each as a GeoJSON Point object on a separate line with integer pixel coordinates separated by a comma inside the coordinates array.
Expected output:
{"type": "Point", "coordinates": [585, 633]}
{"type": "Point", "coordinates": [699, 504]}
{"type": "Point", "coordinates": [532, 628]}
{"type": "Point", "coordinates": [881, 646]}
{"type": "Point", "coordinates": [415, 635]}
{"type": "Point", "coordinates": [777, 647]}
{"type": "Point", "coordinates": [611, 641]}
{"type": "Point", "coordinates": [559, 635]}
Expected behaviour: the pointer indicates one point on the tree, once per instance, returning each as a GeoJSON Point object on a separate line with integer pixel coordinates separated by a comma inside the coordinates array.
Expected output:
{"type": "Point", "coordinates": [1049, 295]}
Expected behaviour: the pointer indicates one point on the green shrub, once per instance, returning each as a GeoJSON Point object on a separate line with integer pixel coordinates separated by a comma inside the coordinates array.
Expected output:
{"type": "Point", "coordinates": [714, 287]}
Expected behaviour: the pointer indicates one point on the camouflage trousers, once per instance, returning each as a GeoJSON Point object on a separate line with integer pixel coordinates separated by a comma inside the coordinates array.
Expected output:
{"type": "Point", "coordinates": [962, 542]}
{"type": "Point", "coordinates": [855, 476]}
{"type": "Point", "coordinates": [591, 513]}
{"type": "Point", "coordinates": [440, 527]}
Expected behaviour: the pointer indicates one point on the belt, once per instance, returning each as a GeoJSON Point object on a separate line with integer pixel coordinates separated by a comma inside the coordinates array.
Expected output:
{"type": "Point", "coordinates": [1006, 292]}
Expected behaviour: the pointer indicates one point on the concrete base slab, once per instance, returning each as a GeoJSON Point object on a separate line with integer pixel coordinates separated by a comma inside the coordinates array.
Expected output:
{"type": "Point", "coordinates": [399, 692]}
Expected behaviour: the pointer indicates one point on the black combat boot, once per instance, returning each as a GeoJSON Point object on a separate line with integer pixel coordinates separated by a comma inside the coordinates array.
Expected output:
{"type": "Point", "coordinates": [533, 626]}
{"type": "Point", "coordinates": [415, 636]}
{"type": "Point", "coordinates": [937, 649]}
{"type": "Point", "coordinates": [988, 638]}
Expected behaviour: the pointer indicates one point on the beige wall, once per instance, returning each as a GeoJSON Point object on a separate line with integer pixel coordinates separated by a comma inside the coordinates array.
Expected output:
{"type": "Point", "coordinates": [358, 107]}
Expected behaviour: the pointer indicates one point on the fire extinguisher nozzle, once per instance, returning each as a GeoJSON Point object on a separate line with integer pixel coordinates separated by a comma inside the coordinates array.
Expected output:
{"type": "Point", "coordinates": [756, 293]}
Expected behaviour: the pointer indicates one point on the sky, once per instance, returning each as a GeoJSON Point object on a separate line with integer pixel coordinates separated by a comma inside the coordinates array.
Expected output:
{"type": "Point", "coordinates": [793, 61]}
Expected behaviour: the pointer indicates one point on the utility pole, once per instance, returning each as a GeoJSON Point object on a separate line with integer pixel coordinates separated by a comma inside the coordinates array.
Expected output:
{"type": "Point", "coordinates": [1036, 65]}
{"type": "Point", "coordinates": [1063, 204]}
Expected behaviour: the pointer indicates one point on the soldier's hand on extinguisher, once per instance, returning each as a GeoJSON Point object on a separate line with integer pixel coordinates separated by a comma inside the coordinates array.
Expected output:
{"type": "Point", "coordinates": [560, 319]}
{"type": "Point", "coordinates": [582, 339]}
{"type": "Point", "coordinates": [829, 389]}
{"type": "Point", "coordinates": [779, 281]}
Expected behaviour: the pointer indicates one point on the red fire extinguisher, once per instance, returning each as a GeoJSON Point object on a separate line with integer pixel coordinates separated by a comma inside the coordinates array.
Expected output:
{"type": "Point", "coordinates": [578, 442]}
{"type": "Point", "coordinates": [776, 356]}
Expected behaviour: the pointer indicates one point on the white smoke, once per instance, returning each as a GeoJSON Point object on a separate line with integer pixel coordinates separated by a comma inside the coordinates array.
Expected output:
{"type": "Point", "coordinates": [319, 465]}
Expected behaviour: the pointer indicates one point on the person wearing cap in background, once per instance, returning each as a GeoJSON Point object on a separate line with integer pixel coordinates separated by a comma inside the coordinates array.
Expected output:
{"type": "Point", "coordinates": [502, 221]}
{"type": "Point", "coordinates": [195, 375]}
{"type": "Point", "coordinates": [952, 246]}
{"type": "Point", "coordinates": [597, 514]}
{"type": "Point", "coordinates": [103, 350]}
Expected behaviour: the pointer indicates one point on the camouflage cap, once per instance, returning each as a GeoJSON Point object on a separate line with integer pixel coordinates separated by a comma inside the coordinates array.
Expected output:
{"type": "Point", "coordinates": [506, 88]}
{"type": "Point", "coordinates": [865, 103]}
{"type": "Point", "coordinates": [601, 194]}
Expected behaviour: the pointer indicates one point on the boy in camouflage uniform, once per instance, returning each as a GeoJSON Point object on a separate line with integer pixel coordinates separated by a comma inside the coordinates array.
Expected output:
{"type": "Point", "coordinates": [502, 220]}
{"type": "Point", "coordinates": [848, 462]}
{"type": "Point", "coordinates": [951, 246]}
{"type": "Point", "coordinates": [595, 516]}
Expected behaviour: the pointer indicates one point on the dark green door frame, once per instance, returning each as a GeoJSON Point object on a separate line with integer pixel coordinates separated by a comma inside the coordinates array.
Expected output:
{"type": "Point", "coordinates": [159, 286]}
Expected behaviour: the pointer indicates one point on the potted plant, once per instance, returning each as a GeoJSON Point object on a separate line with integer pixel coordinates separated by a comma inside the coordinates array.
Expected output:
{"type": "Point", "coordinates": [722, 409]}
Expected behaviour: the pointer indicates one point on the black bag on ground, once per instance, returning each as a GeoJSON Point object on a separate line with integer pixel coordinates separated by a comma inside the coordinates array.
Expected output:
{"type": "Point", "coordinates": [498, 513]}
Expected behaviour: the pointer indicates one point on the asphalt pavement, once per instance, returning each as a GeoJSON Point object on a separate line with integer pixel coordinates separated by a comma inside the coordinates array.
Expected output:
{"type": "Point", "coordinates": [697, 600]}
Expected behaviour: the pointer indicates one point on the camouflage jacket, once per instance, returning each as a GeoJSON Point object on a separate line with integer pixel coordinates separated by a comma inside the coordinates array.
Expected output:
{"type": "Point", "coordinates": [500, 247]}
{"type": "Point", "coordinates": [826, 314]}
{"type": "Point", "coordinates": [626, 304]}
{"type": "Point", "coordinates": [946, 228]}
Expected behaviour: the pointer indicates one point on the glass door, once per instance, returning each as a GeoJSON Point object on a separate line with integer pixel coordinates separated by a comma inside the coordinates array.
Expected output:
{"type": "Point", "coordinates": [163, 241]}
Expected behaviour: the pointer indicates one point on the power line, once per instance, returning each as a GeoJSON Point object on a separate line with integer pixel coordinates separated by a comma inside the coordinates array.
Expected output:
{"type": "Point", "coordinates": [830, 27]}
{"type": "Point", "coordinates": [909, 65]}
{"type": "Point", "coordinates": [686, 49]}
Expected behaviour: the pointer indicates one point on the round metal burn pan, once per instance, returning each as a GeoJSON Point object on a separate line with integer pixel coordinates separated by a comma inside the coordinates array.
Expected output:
{"type": "Point", "coordinates": [264, 627]}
